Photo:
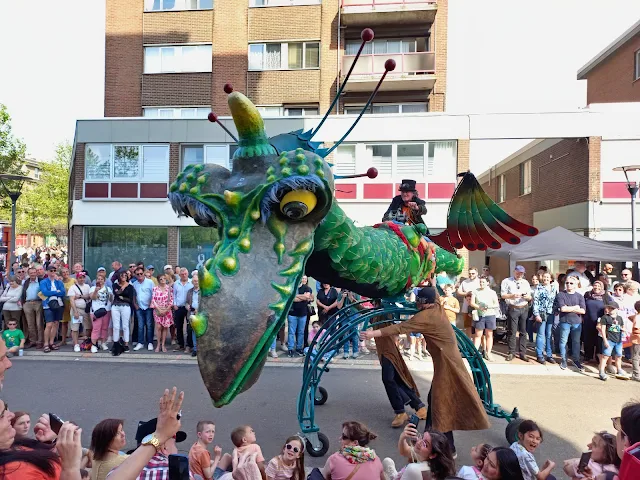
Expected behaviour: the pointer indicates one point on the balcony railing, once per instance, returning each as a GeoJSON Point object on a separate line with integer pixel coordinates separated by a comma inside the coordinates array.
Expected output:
{"type": "Point", "coordinates": [416, 62]}
{"type": "Point", "coordinates": [375, 3]}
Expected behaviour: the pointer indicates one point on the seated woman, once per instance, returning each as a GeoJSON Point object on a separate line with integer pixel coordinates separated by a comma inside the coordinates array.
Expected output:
{"type": "Point", "coordinates": [604, 457]}
{"type": "Point", "coordinates": [355, 460]}
{"type": "Point", "coordinates": [501, 464]}
{"type": "Point", "coordinates": [427, 453]}
{"type": "Point", "coordinates": [107, 440]}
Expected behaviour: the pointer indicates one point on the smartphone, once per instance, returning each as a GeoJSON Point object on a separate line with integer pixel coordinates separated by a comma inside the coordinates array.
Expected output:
{"type": "Point", "coordinates": [56, 423]}
{"type": "Point", "coordinates": [584, 461]}
{"type": "Point", "coordinates": [178, 467]}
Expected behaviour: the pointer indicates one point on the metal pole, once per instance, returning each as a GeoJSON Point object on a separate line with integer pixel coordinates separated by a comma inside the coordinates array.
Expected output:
{"type": "Point", "coordinates": [11, 256]}
{"type": "Point", "coordinates": [633, 191]}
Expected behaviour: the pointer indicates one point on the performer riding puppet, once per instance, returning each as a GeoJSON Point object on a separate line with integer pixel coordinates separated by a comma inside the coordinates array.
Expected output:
{"type": "Point", "coordinates": [406, 207]}
{"type": "Point", "coordinates": [277, 219]}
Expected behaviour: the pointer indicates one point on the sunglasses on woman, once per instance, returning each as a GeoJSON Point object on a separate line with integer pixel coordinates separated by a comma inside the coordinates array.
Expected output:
{"type": "Point", "coordinates": [618, 426]}
{"type": "Point", "coordinates": [291, 447]}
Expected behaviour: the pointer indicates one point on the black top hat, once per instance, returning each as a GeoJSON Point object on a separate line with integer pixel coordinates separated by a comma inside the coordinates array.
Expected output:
{"type": "Point", "coordinates": [408, 185]}
{"type": "Point", "coordinates": [147, 428]}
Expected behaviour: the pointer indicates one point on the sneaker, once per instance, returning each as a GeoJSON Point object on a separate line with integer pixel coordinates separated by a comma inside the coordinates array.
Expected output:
{"type": "Point", "coordinates": [365, 351]}
{"type": "Point", "coordinates": [290, 354]}
{"type": "Point", "coordinates": [563, 364]}
{"type": "Point", "coordinates": [603, 376]}
{"type": "Point", "coordinates": [509, 357]}
{"type": "Point", "coordinates": [273, 353]}
{"type": "Point", "coordinates": [187, 350]}
{"type": "Point", "coordinates": [355, 355]}
{"type": "Point", "coordinates": [126, 348]}
{"type": "Point", "coordinates": [94, 349]}
{"type": "Point", "coordinates": [635, 379]}
{"type": "Point", "coordinates": [622, 375]}
{"type": "Point", "coordinates": [489, 357]}
{"type": "Point", "coordinates": [524, 358]}
{"type": "Point", "coordinates": [194, 353]}
{"type": "Point", "coordinates": [300, 352]}
{"type": "Point", "coordinates": [9, 355]}
{"type": "Point", "coordinates": [485, 355]}
{"type": "Point", "coordinates": [551, 360]}
{"type": "Point", "coordinates": [76, 348]}
{"type": "Point", "coordinates": [284, 347]}
{"type": "Point", "coordinates": [150, 347]}
{"type": "Point", "coordinates": [541, 361]}
{"type": "Point", "coordinates": [138, 347]}
{"type": "Point", "coordinates": [389, 467]}
{"type": "Point", "coordinates": [104, 346]}
{"type": "Point", "coordinates": [578, 365]}
{"type": "Point", "coordinates": [345, 356]}
{"type": "Point", "coordinates": [610, 370]}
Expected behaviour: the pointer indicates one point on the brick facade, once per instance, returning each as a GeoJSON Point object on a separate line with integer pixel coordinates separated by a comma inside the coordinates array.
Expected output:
{"type": "Point", "coordinates": [437, 97]}
{"type": "Point", "coordinates": [123, 58]}
{"type": "Point", "coordinates": [76, 245]}
{"type": "Point", "coordinates": [166, 89]}
{"type": "Point", "coordinates": [290, 86]}
{"type": "Point", "coordinates": [78, 172]}
{"type": "Point", "coordinates": [613, 80]}
{"type": "Point", "coordinates": [286, 23]}
{"type": "Point", "coordinates": [177, 27]}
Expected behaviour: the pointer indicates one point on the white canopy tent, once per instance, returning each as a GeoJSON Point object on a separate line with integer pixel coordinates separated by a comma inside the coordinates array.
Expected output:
{"type": "Point", "coordinates": [562, 244]}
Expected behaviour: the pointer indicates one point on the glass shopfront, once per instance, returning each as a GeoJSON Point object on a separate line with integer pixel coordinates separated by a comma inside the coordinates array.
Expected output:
{"type": "Point", "coordinates": [196, 246]}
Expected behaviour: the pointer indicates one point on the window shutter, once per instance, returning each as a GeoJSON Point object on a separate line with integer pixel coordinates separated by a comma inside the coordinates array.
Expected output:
{"type": "Point", "coordinates": [410, 160]}
{"type": "Point", "coordinates": [345, 160]}
{"type": "Point", "coordinates": [155, 163]}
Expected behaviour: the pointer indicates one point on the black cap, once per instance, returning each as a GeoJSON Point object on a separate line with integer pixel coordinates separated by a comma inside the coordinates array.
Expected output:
{"type": "Point", "coordinates": [51, 268]}
{"type": "Point", "coordinates": [147, 428]}
{"type": "Point", "coordinates": [426, 295]}
{"type": "Point", "coordinates": [408, 185]}
{"type": "Point", "coordinates": [611, 304]}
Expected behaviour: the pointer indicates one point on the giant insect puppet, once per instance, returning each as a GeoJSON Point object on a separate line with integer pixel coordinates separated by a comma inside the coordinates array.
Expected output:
{"type": "Point", "coordinates": [278, 219]}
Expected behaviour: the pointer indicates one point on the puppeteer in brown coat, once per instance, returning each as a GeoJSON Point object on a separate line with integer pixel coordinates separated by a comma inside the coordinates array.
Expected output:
{"type": "Point", "coordinates": [455, 403]}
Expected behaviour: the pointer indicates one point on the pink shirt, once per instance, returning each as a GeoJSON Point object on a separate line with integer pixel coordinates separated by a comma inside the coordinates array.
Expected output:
{"type": "Point", "coordinates": [341, 468]}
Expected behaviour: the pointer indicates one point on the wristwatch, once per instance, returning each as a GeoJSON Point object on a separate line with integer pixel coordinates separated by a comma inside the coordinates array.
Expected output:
{"type": "Point", "coordinates": [152, 440]}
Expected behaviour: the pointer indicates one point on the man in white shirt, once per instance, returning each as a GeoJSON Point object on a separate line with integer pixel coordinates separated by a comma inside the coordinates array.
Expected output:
{"type": "Point", "coordinates": [579, 270]}
{"type": "Point", "coordinates": [516, 292]}
{"type": "Point", "coordinates": [467, 286]}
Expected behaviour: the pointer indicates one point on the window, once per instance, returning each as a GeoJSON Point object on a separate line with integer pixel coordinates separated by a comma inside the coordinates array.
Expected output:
{"type": "Point", "coordinates": [284, 56]}
{"type": "Point", "coordinates": [164, 5]}
{"type": "Point", "coordinates": [382, 46]}
{"type": "Point", "coordinates": [502, 189]}
{"type": "Point", "coordinates": [196, 246]}
{"type": "Point", "coordinates": [525, 178]}
{"type": "Point", "coordinates": [387, 108]}
{"type": "Point", "coordinates": [381, 158]}
{"type": "Point", "coordinates": [178, 58]}
{"type": "Point", "coordinates": [300, 111]}
{"type": "Point", "coordinates": [410, 160]}
{"type": "Point", "coordinates": [177, 112]}
{"type": "Point", "coordinates": [345, 160]}
{"type": "Point", "coordinates": [219, 154]}
{"type": "Point", "coordinates": [127, 162]}
{"type": "Point", "coordinates": [636, 69]}
{"type": "Point", "coordinates": [281, 3]}
{"type": "Point", "coordinates": [128, 244]}
{"type": "Point", "coordinates": [442, 159]}
{"type": "Point", "coordinates": [36, 173]}
{"type": "Point", "coordinates": [272, 111]}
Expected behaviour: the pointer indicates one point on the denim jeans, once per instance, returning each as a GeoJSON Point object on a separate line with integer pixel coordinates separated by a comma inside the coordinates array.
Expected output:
{"type": "Point", "coordinates": [193, 337]}
{"type": "Point", "coordinates": [566, 330]}
{"type": "Point", "coordinates": [544, 345]}
{"type": "Point", "coordinates": [145, 319]}
{"type": "Point", "coordinates": [354, 340]}
{"type": "Point", "coordinates": [296, 332]}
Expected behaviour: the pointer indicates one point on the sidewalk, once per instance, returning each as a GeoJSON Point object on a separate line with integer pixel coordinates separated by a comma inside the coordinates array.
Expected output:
{"type": "Point", "coordinates": [367, 362]}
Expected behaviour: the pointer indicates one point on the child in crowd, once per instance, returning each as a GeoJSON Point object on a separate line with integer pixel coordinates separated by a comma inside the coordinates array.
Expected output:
{"type": "Point", "coordinates": [13, 337]}
{"type": "Point", "coordinates": [450, 303]}
{"type": "Point", "coordinates": [244, 439]}
{"type": "Point", "coordinates": [478, 454]}
{"type": "Point", "coordinates": [289, 465]}
{"type": "Point", "coordinates": [611, 326]}
{"type": "Point", "coordinates": [427, 453]}
{"type": "Point", "coordinates": [529, 438]}
{"type": "Point", "coordinates": [603, 458]}
{"type": "Point", "coordinates": [200, 462]}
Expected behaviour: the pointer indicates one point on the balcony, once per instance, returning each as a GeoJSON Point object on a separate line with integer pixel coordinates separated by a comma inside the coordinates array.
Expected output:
{"type": "Point", "coordinates": [368, 13]}
{"type": "Point", "coordinates": [414, 71]}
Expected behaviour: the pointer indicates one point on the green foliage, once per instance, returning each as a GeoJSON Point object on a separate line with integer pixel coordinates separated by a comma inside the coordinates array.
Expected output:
{"type": "Point", "coordinates": [12, 152]}
{"type": "Point", "coordinates": [43, 206]}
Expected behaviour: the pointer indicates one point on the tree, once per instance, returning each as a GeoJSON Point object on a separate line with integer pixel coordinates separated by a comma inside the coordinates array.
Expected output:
{"type": "Point", "coordinates": [12, 153]}
{"type": "Point", "coordinates": [43, 205]}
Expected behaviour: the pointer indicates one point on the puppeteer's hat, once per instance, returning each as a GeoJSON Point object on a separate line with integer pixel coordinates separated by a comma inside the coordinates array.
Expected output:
{"type": "Point", "coordinates": [408, 185]}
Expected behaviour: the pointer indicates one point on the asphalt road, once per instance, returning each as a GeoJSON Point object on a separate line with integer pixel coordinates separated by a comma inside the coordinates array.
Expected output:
{"type": "Point", "coordinates": [568, 410]}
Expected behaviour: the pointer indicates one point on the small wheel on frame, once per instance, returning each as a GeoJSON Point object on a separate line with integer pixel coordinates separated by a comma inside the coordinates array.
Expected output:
{"type": "Point", "coordinates": [319, 450]}
{"type": "Point", "coordinates": [321, 396]}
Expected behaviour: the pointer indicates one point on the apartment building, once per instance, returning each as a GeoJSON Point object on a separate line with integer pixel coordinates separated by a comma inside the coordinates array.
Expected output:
{"type": "Point", "coordinates": [613, 75]}
{"type": "Point", "coordinates": [170, 58]}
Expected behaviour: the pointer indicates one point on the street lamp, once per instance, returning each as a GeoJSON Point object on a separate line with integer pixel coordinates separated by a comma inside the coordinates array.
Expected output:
{"type": "Point", "coordinates": [632, 188]}
{"type": "Point", "coordinates": [12, 186]}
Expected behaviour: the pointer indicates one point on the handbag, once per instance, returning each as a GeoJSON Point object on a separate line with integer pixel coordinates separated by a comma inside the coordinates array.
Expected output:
{"type": "Point", "coordinates": [99, 313]}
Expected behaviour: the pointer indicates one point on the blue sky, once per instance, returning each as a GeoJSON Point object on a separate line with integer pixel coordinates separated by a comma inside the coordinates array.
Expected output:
{"type": "Point", "coordinates": [504, 56]}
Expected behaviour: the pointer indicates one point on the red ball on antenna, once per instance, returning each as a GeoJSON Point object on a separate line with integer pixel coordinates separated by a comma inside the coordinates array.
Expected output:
{"type": "Point", "coordinates": [366, 35]}
{"type": "Point", "coordinates": [390, 65]}
{"type": "Point", "coordinates": [228, 88]}
{"type": "Point", "coordinates": [372, 172]}
{"type": "Point", "coordinates": [213, 118]}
